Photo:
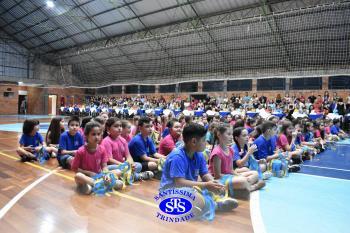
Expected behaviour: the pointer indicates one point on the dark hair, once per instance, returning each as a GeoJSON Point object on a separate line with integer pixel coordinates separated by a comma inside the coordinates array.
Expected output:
{"type": "Point", "coordinates": [55, 130]}
{"type": "Point", "coordinates": [100, 120]}
{"type": "Point", "coordinates": [84, 121]}
{"type": "Point", "coordinates": [111, 121]}
{"type": "Point", "coordinates": [335, 121]}
{"type": "Point", "coordinates": [219, 129]}
{"type": "Point", "coordinates": [89, 126]}
{"type": "Point", "coordinates": [285, 126]}
{"type": "Point", "coordinates": [188, 119]}
{"type": "Point", "coordinates": [73, 118]}
{"type": "Point", "coordinates": [239, 123]}
{"type": "Point", "coordinates": [306, 125]}
{"type": "Point", "coordinates": [236, 133]}
{"type": "Point", "coordinates": [171, 123]}
{"type": "Point", "coordinates": [322, 132]}
{"type": "Point", "coordinates": [28, 125]}
{"type": "Point", "coordinates": [193, 130]}
{"type": "Point", "coordinates": [250, 121]}
{"type": "Point", "coordinates": [144, 120]}
{"type": "Point", "coordinates": [267, 125]}
{"type": "Point", "coordinates": [125, 123]}
{"type": "Point", "coordinates": [256, 132]}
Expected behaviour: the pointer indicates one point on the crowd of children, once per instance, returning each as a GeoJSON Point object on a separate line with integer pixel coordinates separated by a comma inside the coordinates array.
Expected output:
{"type": "Point", "coordinates": [228, 153]}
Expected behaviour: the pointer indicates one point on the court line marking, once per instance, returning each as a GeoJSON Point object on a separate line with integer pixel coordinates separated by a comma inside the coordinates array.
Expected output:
{"type": "Point", "coordinates": [329, 168]}
{"type": "Point", "coordinates": [255, 213]}
{"type": "Point", "coordinates": [116, 193]}
{"type": "Point", "coordinates": [15, 199]}
{"type": "Point", "coordinates": [324, 177]}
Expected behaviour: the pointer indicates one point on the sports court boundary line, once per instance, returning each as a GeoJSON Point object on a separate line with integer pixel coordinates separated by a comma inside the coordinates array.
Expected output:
{"type": "Point", "coordinates": [116, 193]}
{"type": "Point", "coordinates": [255, 213]}
{"type": "Point", "coordinates": [324, 177]}
{"type": "Point", "coordinates": [19, 195]}
{"type": "Point", "coordinates": [329, 168]}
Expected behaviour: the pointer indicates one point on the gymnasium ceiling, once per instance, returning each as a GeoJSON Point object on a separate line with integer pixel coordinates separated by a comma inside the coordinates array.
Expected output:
{"type": "Point", "coordinates": [115, 40]}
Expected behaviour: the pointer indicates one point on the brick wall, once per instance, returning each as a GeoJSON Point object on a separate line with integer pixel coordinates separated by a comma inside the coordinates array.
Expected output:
{"type": "Point", "coordinates": [9, 105]}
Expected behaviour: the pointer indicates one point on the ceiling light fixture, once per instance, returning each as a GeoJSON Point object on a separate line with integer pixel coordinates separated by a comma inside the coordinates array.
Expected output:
{"type": "Point", "coordinates": [50, 4]}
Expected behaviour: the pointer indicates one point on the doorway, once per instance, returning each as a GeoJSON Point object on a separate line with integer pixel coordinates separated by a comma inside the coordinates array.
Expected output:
{"type": "Point", "coordinates": [52, 105]}
{"type": "Point", "coordinates": [22, 104]}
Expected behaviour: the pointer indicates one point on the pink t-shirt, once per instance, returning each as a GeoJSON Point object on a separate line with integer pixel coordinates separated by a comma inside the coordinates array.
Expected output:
{"type": "Point", "coordinates": [127, 138]}
{"type": "Point", "coordinates": [133, 130]}
{"type": "Point", "coordinates": [116, 148]}
{"type": "Point", "coordinates": [166, 145]}
{"type": "Point", "coordinates": [93, 162]}
{"type": "Point", "coordinates": [317, 134]}
{"type": "Point", "coordinates": [327, 129]}
{"type": "Point", "coordinates": [226, 160]}
{"type": "Point", "coordinates": [282, 141]}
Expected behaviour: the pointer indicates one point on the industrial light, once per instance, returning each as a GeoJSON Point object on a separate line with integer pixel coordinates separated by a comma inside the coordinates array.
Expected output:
{"type": "Point", "coordinates": [50, 4]}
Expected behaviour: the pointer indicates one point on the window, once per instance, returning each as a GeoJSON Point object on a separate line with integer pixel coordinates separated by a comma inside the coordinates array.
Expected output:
{"type": "Point", "coordinates": [9, 94]}
{"type": "Point", "coordinates": [90, 91]}
{"type": "Point", "coordinates": [271, 84]}
{"type": "Point", "coordinates": [306, 83]}
{"type": "Point", "coordinates": [239, 85]}
{"type": "Point", "coordinates": [102, 91]}
{"type": "Point", "coordinates": [212, 86]}
{"type": "Point", "coordinates": [339, 82]}
{"type": "Point", "coordinates": [188, 87]}
{"type": "Point", "coordinates": [147, 89]}
{"type": "Point", "coordinates": [167, 88]}
{"type": "Point", "coordinates": [116, 89]}
{"type": "Point", "coordinates": [131, 89]}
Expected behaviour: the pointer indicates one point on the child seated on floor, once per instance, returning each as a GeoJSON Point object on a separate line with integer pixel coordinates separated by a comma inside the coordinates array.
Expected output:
{"type": "Point", "coordinates": [31, 144]}
{"type": "Point", "coordinates": [56, 128]}
{"type": "Point", "coordinates": [118, 152]}
{"type": "Point", "coordinates": [142, 148]}
{"type": "Point", "coordinates": [90, 160]}
{"type": "Point", "coordinates": [168, 143]}
{"type": "Point", "coordinates": [286, 143]}
{"type": "Point", "coordinates": [221, 163]}
{"type": "Point", "coordinates": [183, 166]}
{"type": "Point", "coordinates": [70, 141]}
{"type": "Point", "coordinates": [336, 130]}
{"type": "Point", "coordinates": [243, 159]}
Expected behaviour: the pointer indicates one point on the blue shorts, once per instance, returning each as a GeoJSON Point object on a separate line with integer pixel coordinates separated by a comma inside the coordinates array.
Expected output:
{"type": "Point", "coordinates": [62, 161]}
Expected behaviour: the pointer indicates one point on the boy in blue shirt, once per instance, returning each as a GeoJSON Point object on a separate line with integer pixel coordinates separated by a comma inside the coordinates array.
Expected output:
{"type": "Point", "coordinates": [69, 143]}
{"type": "Point", "coordinates": [336, 130]}
{"type": "Point", "coordinates": [266, 142]}
{"type": "Point", "coordinates": [266, 147]}
{"type": "Point", "coordinates": [32, 145]}
{"type": "Point", "coordinates": [183, 166]}
{"type": "Point", "coordinates": [142, 148]}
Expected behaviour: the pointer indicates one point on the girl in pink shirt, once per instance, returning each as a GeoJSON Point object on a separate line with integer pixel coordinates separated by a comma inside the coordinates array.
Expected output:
{"type": "Point", "coordinates": [134, 129]}
{"type": "Point", "coordinates": [286, 141]}
{"type": "Point", "coordinates": [126, 130]}
{"type": "Point", "coordinates": [91, 159]}
{"type": "Point", "coordinates": [221, 159]}
{"type": "Point", "coordinates": [118, 151]}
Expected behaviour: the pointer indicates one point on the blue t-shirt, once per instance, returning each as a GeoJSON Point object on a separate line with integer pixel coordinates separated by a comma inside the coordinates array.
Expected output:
{"type": "Point", "coordinates": [265, 147]}
{"type": "Point", "coordinates": [138, 147]}
{"type": "Point", "coordinates": [335, 129]}
{"type": "Point", "coordinates": [179, 165]}
{"type": "Point", "coordinates": [27, 140]}
{"type": "Point", "coordinates": [166, 132]}
{"type": "Point", "coordinates": [209, 137]}
{"type": "Point", "coordinates": [69, 142]}
{"type": "Point", "coordinates": [237, 156]}
{"type": "Point", "coordinates": [309, 136]}
{"type": "Point", "coordinates": [249, 129]}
